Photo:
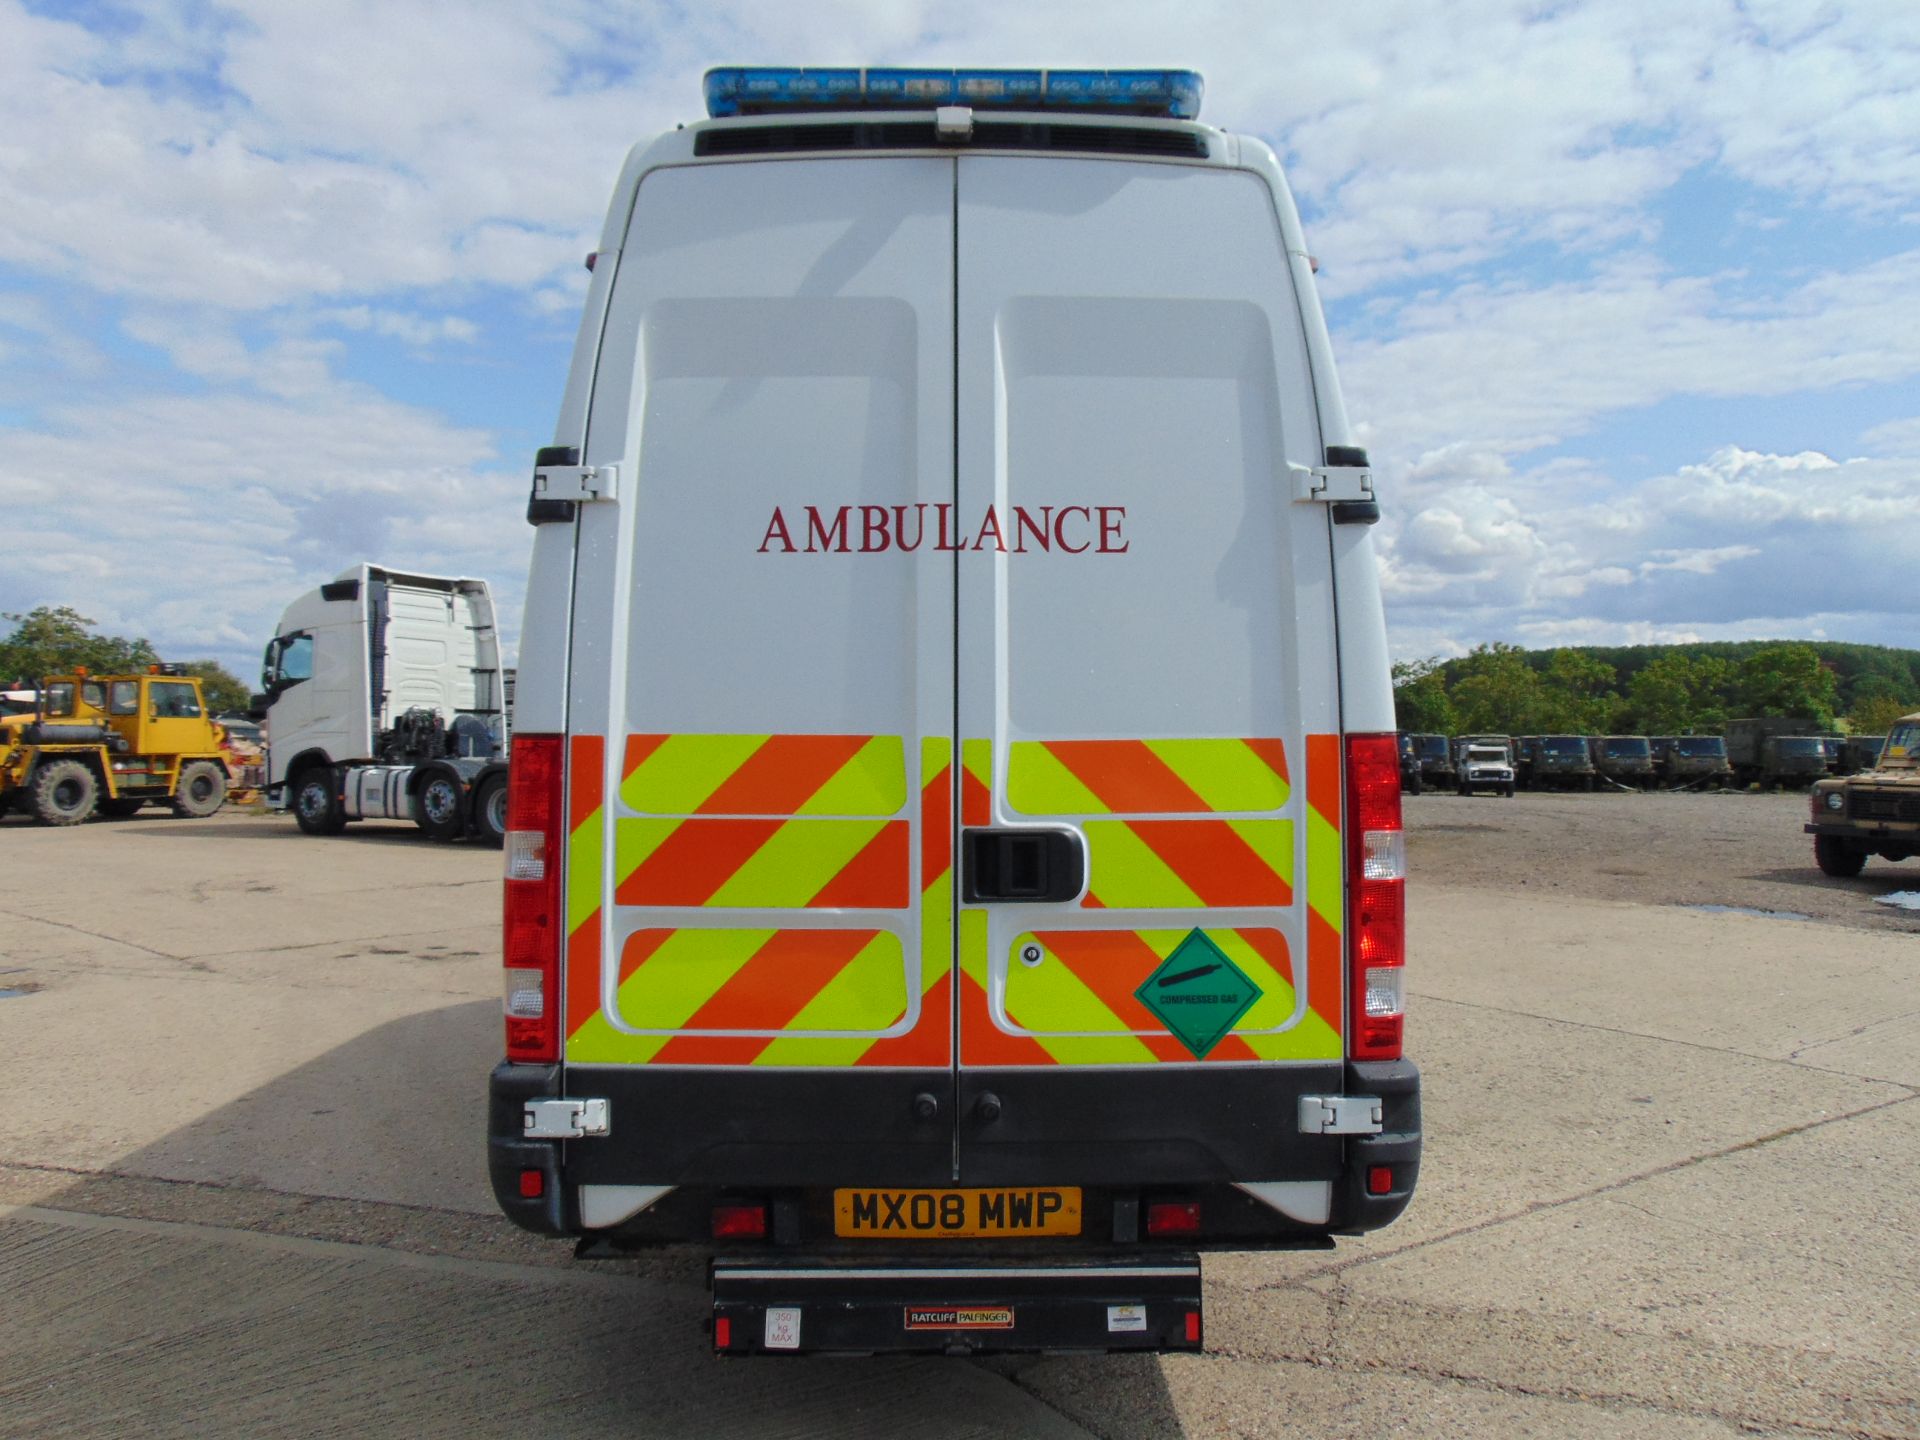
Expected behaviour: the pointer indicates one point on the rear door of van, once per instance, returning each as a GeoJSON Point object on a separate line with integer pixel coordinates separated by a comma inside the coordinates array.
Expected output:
{"type": "Point", "coordinates": [1155, 679]}
{"type": "Point", "coordinates": [953, 764]}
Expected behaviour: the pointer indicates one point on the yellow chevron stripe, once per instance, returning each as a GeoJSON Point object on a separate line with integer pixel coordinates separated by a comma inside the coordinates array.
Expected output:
{"type": "Point", "coordinates": [1324, 864]}
{"type": "Point", "coordinates": [683, 974]}
{"type": "Point", "coordinates": [1039, 784]}
{"type": "Point", "coordinates": [1224, 773]}
{"type": "Point", "coordinates": [634, 841]}
{"type": "Point", "coordinates": [1124, 873]}
{"type": "Point", "coordinates": [796, 863]}
{"type": "Point", "coordinates": [873, 782]}
{"type": "Point", "coordinates": [973, 946]}
{"type": "Point", "coordinates": [1053, 994]}
{"type": "Point", "coordinates": [685, 770]}
{"type": "Point", "coordinates": [867, 994]}
{"type": "Point", "coordinates": [1271, 840]}
{"type": "Point", "coordinates": [976, 756]}
{"type": "Point", "coordinates": [585, 848]}
{"type": "Point", "coordinates": [1311, 1039]}
{"type": "Point", "coordinates": [598, 1043]}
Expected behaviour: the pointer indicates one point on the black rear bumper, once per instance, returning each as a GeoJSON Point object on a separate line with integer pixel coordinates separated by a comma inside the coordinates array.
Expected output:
{"type": "Point", "coordinates": [1122, 1135]}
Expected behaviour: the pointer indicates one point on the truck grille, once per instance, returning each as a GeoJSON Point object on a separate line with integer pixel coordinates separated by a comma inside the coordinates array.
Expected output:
{"type": "Point", "coordinates": [1882, 805]}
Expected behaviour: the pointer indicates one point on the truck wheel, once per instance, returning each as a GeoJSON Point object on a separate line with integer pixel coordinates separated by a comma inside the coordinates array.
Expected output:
{"type": "Point", "coordinates": [490, 811]}
{"type": "Point", "coordinates": [64, 792]}
{"type": "Point", "coordinates": [1837, 858]}
{"type": "Point", "coordinates": [120, 808]}
{"type": "Point", "coordinates": [316, 802]}
{"type": "Point", "coordinates": [439, 805]}
{"type": "Point", "coordinates": [203, 790]}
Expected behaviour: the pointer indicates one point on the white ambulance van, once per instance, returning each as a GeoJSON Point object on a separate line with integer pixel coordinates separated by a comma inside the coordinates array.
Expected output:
{"type": "Point", "coordinates": [954, 871]}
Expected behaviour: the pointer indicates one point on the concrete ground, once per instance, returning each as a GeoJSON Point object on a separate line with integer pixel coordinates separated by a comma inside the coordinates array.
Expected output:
{"type": "Point", "coordinates": [1669, 1189]}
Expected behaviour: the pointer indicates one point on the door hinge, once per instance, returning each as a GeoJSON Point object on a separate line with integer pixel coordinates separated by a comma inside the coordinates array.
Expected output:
{"type": "Point", "coordinates": [1331, 484]}
{"type": "Point", "coordinates": [565, 1119]}
{"type": "Point", "coordinates": [576, 482]}
{"type": "Point", "coordinates": [1340, 1115]}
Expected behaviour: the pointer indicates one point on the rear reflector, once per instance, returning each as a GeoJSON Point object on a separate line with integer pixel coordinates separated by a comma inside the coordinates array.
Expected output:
{"type": "Point", "coordinates": [531, 908]}
{"type": "Point", "coordinates": [1173, 1218]}
{"type": "Point", "coordinates": [533, 1184]}
{"type": "Point", "coordinates": [739, 1222]}
{"type": "Point", "coordinates": [1379, 1180]}
{"type": "Point", "coordinates": [1193, 1327]}
{"type": "Point", "coordinates": [1376, 899]}
{"type": "Point", "coordinates": [722, 1332]}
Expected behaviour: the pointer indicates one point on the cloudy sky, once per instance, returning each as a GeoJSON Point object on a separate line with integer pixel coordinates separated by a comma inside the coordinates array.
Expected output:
{"type": "Point", "coordinates": [1626, 295]}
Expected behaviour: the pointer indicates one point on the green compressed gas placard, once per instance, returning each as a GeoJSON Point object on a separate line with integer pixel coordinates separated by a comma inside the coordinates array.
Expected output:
{"type": "Point", "coordinates": [1198, 993]}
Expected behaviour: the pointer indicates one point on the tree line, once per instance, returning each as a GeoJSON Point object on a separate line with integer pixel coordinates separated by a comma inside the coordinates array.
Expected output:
{"type": "Point", "coordinates": [54, 639]}
{"type": "Point", "coordinates": [1656, 689]}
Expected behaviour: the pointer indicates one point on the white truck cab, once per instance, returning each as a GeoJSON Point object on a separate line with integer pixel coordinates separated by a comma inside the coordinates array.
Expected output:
{"type": "Point", "coordinates": [384, 696]}
{"type": "Point", "coordinates": [954, 866]}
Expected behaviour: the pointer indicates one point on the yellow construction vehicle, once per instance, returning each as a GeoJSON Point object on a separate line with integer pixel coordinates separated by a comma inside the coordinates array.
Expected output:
{"type": "Point", "coordinates": [109, 744]}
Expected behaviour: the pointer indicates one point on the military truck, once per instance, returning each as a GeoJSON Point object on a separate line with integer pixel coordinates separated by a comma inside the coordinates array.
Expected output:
{"type": "Point", "coordinates": [1876, 812]}
{"type": "Point", "coordinates": [1626, 760]}
{"type": "Point", "coordinates": [1410, 782]}
{"type": "Point", "coordinates": [1860, 752]}
{"type": "Point", "coordinates": [1775, 750]}
{"type": "Point", "coordinates": [1691, 761]}
{"type": "Point", "coordinates": [109, 744]}
{"type": "Point", "coordinates": [1436, 761]}
{"type": "Point", "coordinates": [1555, 762]}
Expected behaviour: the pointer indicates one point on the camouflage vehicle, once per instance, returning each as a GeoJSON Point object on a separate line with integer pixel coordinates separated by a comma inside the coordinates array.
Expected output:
{"type": "Point", "coordinates": [1860, 752]}
{"type": "Point", "coordinates": [1436, 760]}
{"type": "Point", "coordinates": [1876, 812]}
{"type": "Point", "coordinates": [1623, 759]}
{"type": "Point", "coordinates": [1555, 762]}
{"type": "Point", "coordinates": [1409, 765]}
{"type": "Point", "coordinates": [1776, 750]}
{"type": "Point", "coordinates": [1691, 761]}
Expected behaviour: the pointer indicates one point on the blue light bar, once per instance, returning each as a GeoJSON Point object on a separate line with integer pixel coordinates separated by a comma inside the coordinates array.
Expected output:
{"type": "Point", "coordinates": [765, 90]}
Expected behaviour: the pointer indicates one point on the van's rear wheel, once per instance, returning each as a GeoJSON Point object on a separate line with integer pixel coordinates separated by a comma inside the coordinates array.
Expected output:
{"type": "Point", "coordinates": [202, 790]}
{"type": "Point", "coordinates": [316, 802]}
{"type": "Point", "coordinates": [64, 792]}
{"type": "Point", "coordinates": [1837, 857]}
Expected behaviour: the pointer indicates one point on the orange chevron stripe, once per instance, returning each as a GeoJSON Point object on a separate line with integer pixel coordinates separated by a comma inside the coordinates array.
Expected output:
{"type": "Point", "coordinates": [876, 878]}
{"type": "Point", "coordinates": [694, 861]}
{"type": "Point", "coordinates": [583, 974]}
{"type": "Point", "coordinates": [775, 984]}
{"type": "Point", "coordinates": [1128, 777]}
{"type": "Point", "coordinates": [976, 801]}
{"type": "Point", "coordinates": [639, 747]}
{"type": "Point", "coordinates": [936, 827]}
{"type": "Point", "coordinates": [927, 1043]}
{"type": "Point", "coordinates": [1323, 972]}
{"type": "Point", "coordinates": [1323, 776]}
{"type": "Point", "coordinates": [1220, 867]}
{"type": "Point", "coordinates": [782, 775]}
{"type": "Point", "coordinates": [585, 771]}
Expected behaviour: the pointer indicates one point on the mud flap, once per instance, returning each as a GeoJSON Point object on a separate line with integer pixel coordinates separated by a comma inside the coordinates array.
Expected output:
{"type": "Point", "coordinates": [770, 1308]}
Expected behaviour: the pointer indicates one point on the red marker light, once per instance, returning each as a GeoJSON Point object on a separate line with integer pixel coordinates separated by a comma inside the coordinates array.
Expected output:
{"type": "Point", "coordinates": [739, 1222]}
{"type": "Point", "coordinates": [1379, 1179]}
{"type": "Point", "coordinates": [722, 1332]}
{"type": "Point", "coordinates": [1169, 1217]}
{"type": "Point", "coordinates": [533, 1184]}
{"type": "Point", "coordinates": [1193, 1327]}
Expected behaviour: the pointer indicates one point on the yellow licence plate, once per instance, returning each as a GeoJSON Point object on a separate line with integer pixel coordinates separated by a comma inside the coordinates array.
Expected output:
{"type": "Point", "coordinates": [955, 1214]}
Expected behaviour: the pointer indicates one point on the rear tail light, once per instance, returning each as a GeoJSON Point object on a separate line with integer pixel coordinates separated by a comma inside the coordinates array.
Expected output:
{"type": "Point", "coordinates": [1376, 898]}
{"type": "Point", "coordinates": [532, 914]}
{"type": "Point", "coordinates": [739, 1222]}
{"type": "Point", "coordinates": [1167, 1217]}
